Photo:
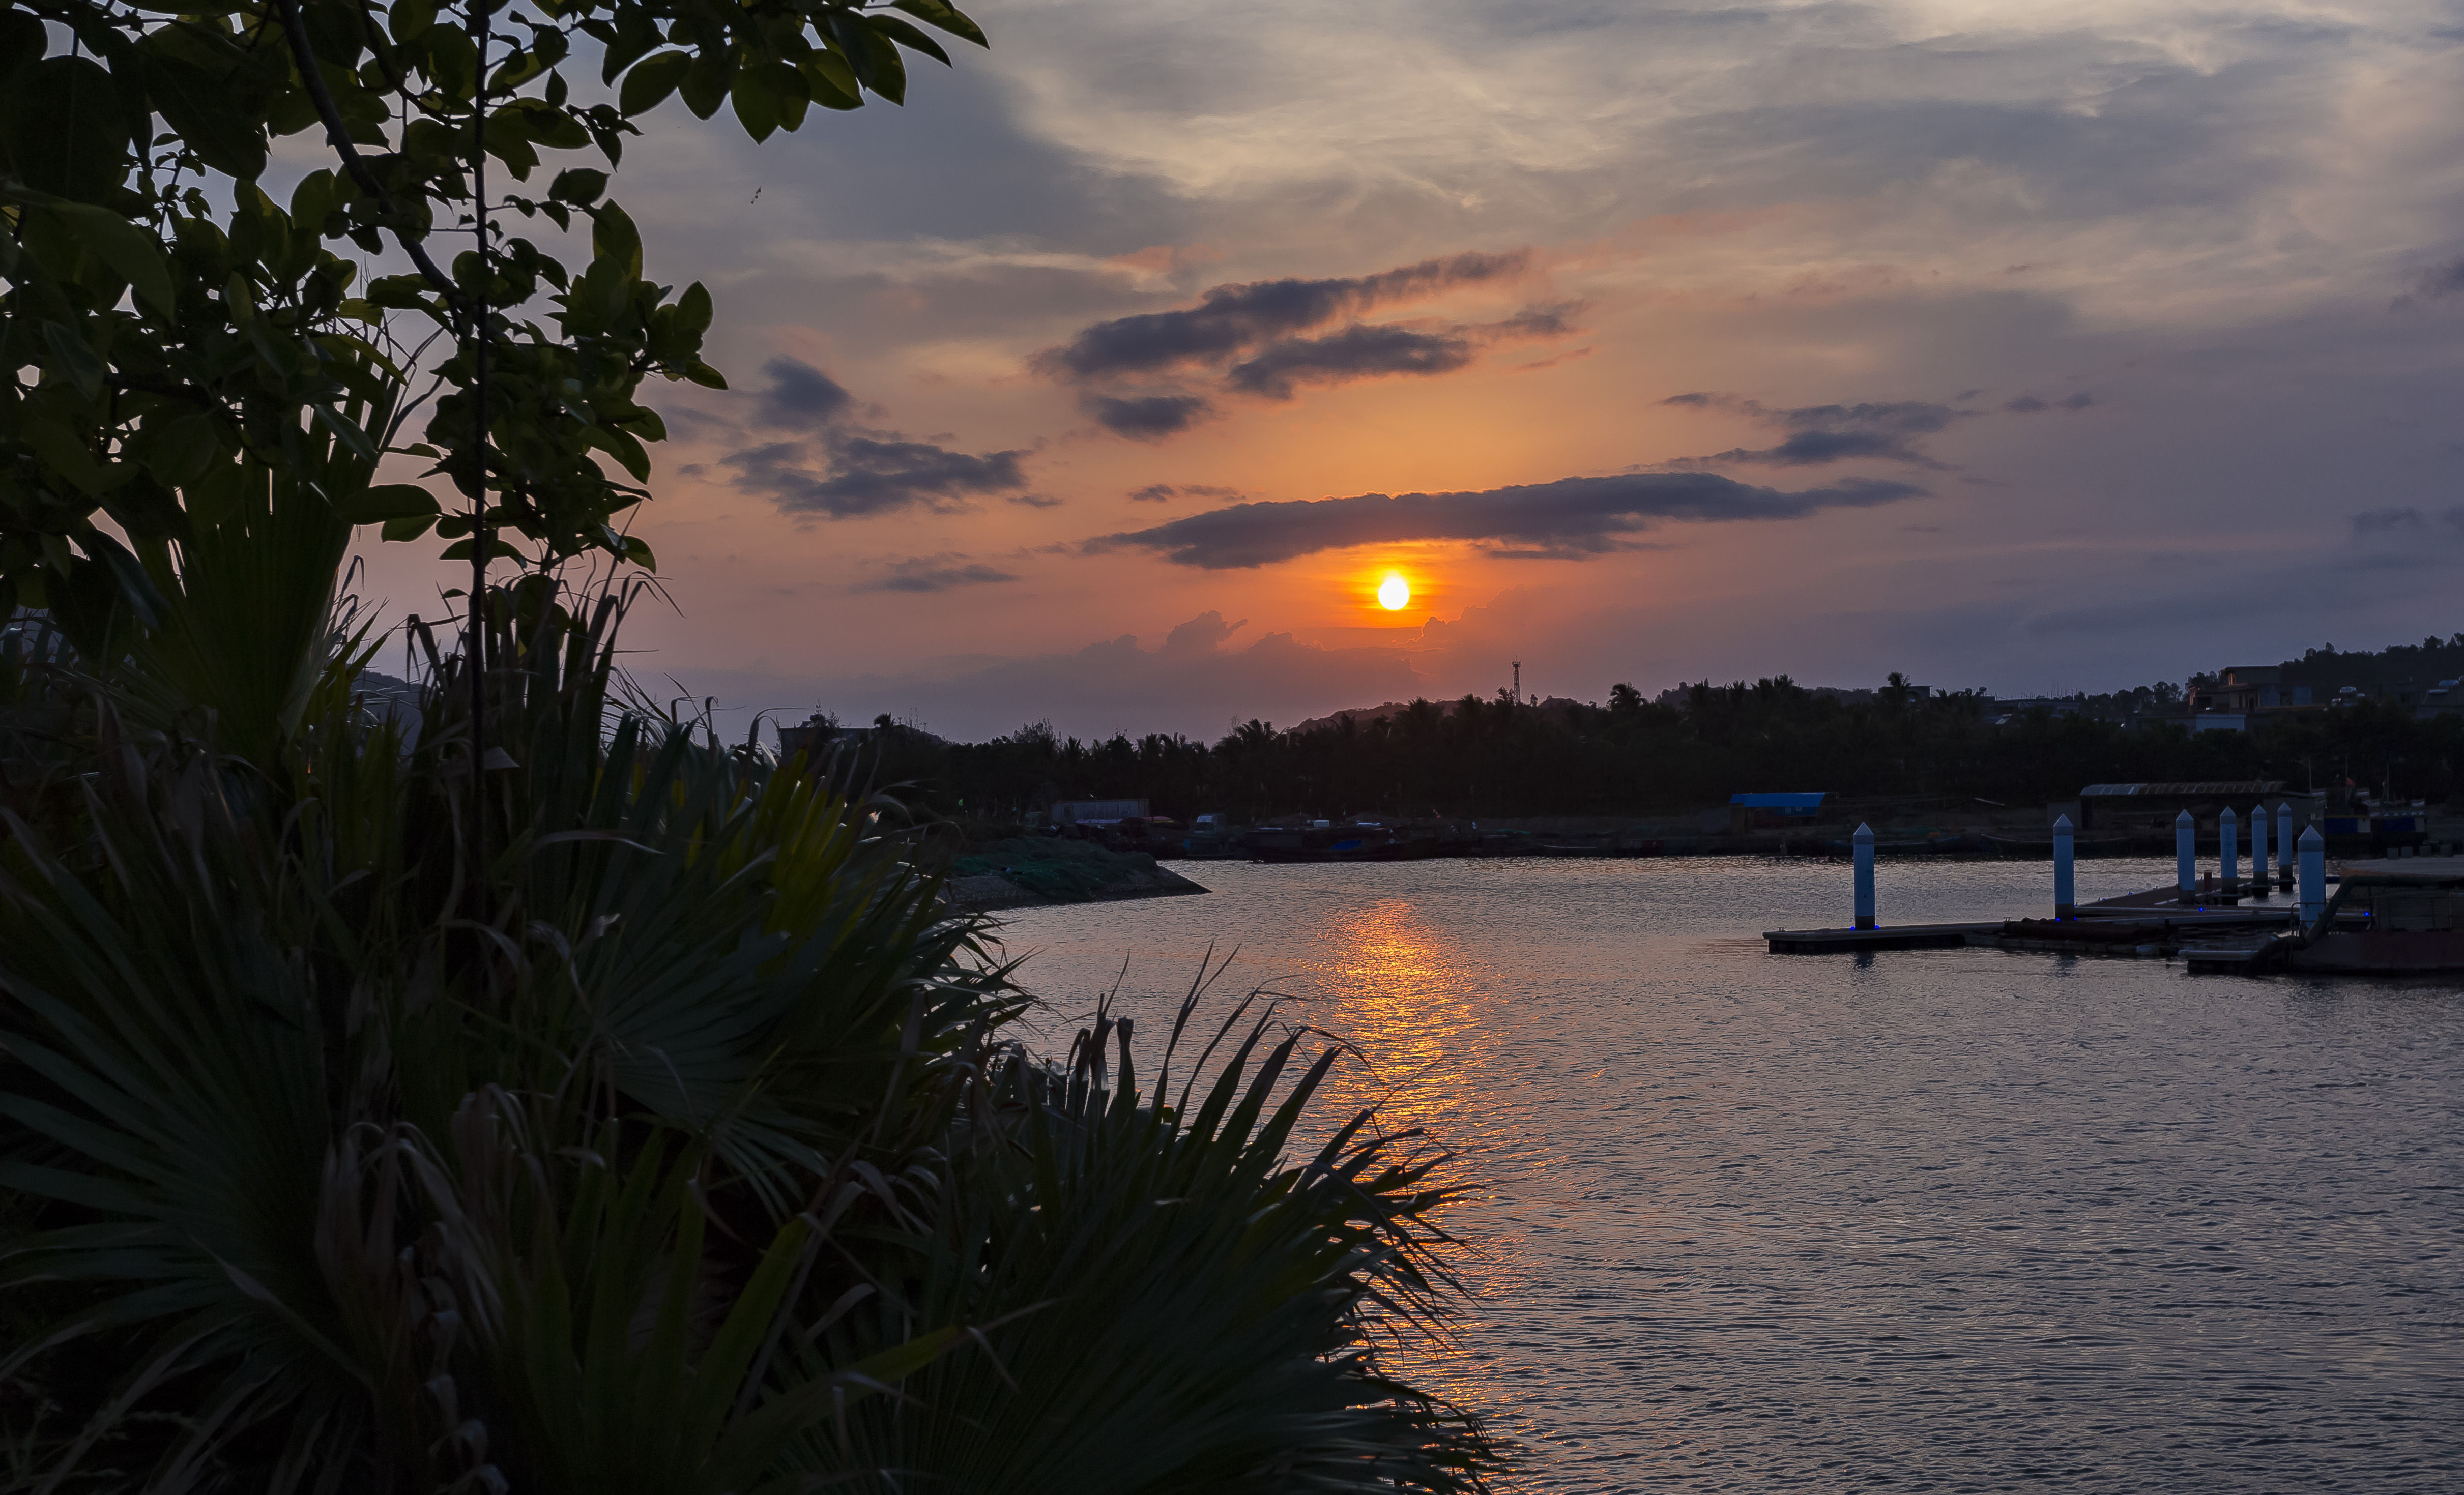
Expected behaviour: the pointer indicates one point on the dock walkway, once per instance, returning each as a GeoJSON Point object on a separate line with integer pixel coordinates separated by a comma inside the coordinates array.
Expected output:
{"type": "Point", "coordinates": [2156, 921]}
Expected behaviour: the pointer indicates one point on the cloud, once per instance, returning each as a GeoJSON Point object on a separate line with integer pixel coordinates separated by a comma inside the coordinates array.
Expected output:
{"type": "Point", "coordinates": [2447, 279]}
{"type": "Point", "coordinates": [802, 395]}
{"type": "Point", "coordinates": [935, 574]}
{"type": "Point", "coordinates": [1165, 493]}
{"type": "Point", "coordinates": [1147, 417]}
{"type": "Point", "coordinates": [844, 472]}
{"type": "Point", "coordinates": [1359, 351]}
{"type": "Point", "coordinates": [1824, 433]}
{"type": "Point", "coordinates": [1035, 501]}
{"type": "Point", "coordinates": [1203, 634]}
{"type": "Point", "coordinates": [1259, 338]}
{"type": "Point", "coordinates": [848, 476]}
{"type": "Point", "coordinates": [2379, 521]}
{"type": "Point", "coordinates": [1571, 517]}
{"type": "Point", "coordinates": [1229, 318]}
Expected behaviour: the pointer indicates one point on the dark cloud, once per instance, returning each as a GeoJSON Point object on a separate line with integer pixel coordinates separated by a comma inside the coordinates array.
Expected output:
{"type": "Point", "coordinates": [1231, 319]}
{"type": "Point", "coordinates": [2379, 521]}
{"type": "Point", "coordinates": [1149, 417]}
{"type": "Point", "coordinates": [2447, 279]}
{"type": "Point", "coordinates": [846, 475]}
{"type": "Point", "coordinates": [1165, 493]}
{"type": "Point", "coordinates": [1823, 433]}
{"type": "Point", "coordinates": [935, 574]}
{"type": "Point", "coordinates": [1035, 501]}
{"type": "Point", "coordinates": [802, 395]}
{"type": "Point", "coordinates": [844, 472]}
{"type": "Point", "coordinates": [1359, 351]}
{"type": "Point", "coordinates": [1571, 517]}
{"type": "Point", "coordinates": [1814, 448]}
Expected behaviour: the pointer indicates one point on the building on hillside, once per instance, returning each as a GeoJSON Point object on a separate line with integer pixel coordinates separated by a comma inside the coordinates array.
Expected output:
{"type": "Point", "coordinates": [2254, 688]}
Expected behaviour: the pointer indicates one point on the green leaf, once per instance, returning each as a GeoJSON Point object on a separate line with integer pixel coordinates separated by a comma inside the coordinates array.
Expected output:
{"type": "Point", "coordinates": [129, 251]}
{"type": "Point", "coordinates": [613, 236]}
{"type": "Point", "coordinates": [579, 186]}
{"type": "Point", "coordinates": [650, 80]}
{"type": "Point", "coordinates": [944, 16]}
{"type": "Point", "coordinates": [408, 18]}
{"type": "Point", "coordinates": [707, 83]}
{"type": "Point", "coordinates": [386, 504]}
{"type": "Point", "coordinates": [757, 102]}
{"type": "Point", "coordinates": [79, 362]}
{"type": "Point", "coordinates": [410, 528]}
{"type": "Point", "coordinates": [64, 128]}
{"type": "Point", "coordinates": [637, 550]}
{"type": "Point", "coordinates": [833, 81]}
{"type": "Point", "coordinates": [56, 445]}
{"type": "Point", "coordinates": [906, 35]}
{"type": "Point", "coordinates": [201, 111]}
{"type": "Point", "coordinates": [693, 309]}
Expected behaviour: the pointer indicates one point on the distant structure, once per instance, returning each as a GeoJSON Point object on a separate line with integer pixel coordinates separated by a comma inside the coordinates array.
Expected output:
{"type": "Point", "coordinates": [1098, 812]}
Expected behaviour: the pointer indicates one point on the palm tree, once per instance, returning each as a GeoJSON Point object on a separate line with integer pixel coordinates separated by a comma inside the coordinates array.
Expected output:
{"type": "Point", "coordinates": [691, 1146]}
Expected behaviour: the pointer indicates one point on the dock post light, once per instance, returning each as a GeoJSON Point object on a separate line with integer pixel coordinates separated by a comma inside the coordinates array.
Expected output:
{"type": "Point", "coordinates": [2313, 875]}
{"type": "Point", "coordinates": [2228, 850]}
{"type": "Point", "coordinates": [2186, 855]}
{"type": "Point", "coordinates": [2285, 845]}
{"type": "Point", "coordinates": [1864, 841]}
{"type": "Point", "coordinates": [2065, 895]}
{"type": "Point", "coordinates": [2258, 850]}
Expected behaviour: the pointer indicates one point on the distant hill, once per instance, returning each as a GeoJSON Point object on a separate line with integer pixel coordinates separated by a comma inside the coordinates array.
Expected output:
{"type": "Point", "coordinates": [2426, 663]}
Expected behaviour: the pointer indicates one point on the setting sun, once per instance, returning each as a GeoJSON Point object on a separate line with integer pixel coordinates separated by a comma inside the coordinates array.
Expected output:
{"type": "Point", "coordinates": [1394, 592]}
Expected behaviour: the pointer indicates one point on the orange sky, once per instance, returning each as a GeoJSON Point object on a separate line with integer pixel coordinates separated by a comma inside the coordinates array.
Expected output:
{"type": "Point", "coordinates": [2144, 313]}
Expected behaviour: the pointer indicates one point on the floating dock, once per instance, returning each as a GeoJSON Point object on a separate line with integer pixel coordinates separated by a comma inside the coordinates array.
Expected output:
{"type": "Point", "coordinates": [2160, 921]}
{"type": "Point", "coordinates": [1898, 936]}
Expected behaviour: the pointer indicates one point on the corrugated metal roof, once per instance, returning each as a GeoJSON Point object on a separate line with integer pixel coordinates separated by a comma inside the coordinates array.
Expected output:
{"type": "Point", "coordinates": [1808, 800]}
{"type": "Point", "coordinates": [2194, 789]}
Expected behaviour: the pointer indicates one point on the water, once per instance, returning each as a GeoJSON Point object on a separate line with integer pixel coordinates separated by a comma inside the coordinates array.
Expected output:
{"type": "Point", "coordinates": [1959, 1219]}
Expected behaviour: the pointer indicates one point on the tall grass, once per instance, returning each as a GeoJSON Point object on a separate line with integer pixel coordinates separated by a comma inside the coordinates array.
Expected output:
{"type": "Point", "coordinates": [688, 1145]}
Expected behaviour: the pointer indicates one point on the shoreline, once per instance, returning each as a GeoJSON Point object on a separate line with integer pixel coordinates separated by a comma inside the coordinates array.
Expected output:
{"type": "Point", "coordinates": [991, 892]}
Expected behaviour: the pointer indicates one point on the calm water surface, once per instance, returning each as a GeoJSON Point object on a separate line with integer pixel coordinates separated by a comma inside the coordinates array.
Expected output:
{"type": "Point", "coordinates": [1956, 1220]}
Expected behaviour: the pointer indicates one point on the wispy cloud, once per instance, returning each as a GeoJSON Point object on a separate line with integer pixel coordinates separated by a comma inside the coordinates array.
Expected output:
{"type": "Point", "coordinates": [1571, 517]}
{"type": "Point", "coordinates": [1262, 339]}
{"type": "Point", "coordinates": [1819, 434]}
{"type": "Point", "coordinates": [1165, 493]}
{"type": "Point", "coordinates": [840, 471]}
{"type": "Point", "coordinates": [1231, 319]}
{"type": "Point", "coordinates": [940, 573]}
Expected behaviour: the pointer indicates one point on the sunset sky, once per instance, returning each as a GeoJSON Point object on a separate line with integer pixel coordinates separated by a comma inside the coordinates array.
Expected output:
{"type": "Point", "coordinates": [2036, 350]}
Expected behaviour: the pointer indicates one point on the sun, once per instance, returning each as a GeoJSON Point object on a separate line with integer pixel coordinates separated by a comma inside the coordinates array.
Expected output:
{"type": "Point", "coordinates": [1394, 594]}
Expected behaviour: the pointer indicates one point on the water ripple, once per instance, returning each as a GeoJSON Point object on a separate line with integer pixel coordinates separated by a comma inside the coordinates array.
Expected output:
{"type": "Point", "coordinates": [1935, 1221]}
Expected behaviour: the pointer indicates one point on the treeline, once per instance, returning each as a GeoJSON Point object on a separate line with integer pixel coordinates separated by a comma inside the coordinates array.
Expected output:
{"type": "Point", "coordinates": [1494, 756]}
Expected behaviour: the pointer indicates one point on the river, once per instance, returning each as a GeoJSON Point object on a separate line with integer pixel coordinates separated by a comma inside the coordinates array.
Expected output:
{"type": "Point", "coordinates": [1959, 1219]}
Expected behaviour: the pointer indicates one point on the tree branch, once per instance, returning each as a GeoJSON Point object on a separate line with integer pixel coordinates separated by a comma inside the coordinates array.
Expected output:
{"type": "Point", "coordinates": [303, 54]}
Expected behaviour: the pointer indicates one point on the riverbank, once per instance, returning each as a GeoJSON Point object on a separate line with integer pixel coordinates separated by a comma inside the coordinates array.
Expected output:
{"type": "Point", "coordinates": [1042, 871]}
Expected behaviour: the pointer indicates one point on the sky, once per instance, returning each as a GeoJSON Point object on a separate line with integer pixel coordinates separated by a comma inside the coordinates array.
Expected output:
{"type": "Point", "coordinates": [1104, 382]}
